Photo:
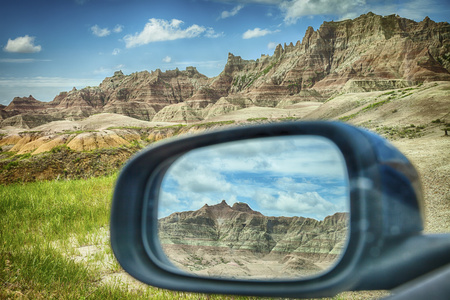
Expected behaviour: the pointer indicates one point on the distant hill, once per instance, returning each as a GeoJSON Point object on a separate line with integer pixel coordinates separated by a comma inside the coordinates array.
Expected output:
{"type": "Point", "coordinates": [369, 53]}
{"type": "Point", "coordinates": [209, 240]}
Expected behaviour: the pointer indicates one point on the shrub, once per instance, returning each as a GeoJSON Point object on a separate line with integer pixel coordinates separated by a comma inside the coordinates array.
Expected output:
{"type": "Point", "coordinates": [11, 164]}
{"type": "Point", "coordinates": [59, 149]}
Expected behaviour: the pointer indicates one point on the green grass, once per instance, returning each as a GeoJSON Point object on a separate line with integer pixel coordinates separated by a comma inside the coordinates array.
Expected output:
{"type": "Point", "coordinates": [393, 132]}
{"type": "Point", "coordinates": [36, 215]}
{"type": "Point", "coordinates": [348, 118]}
{"type": "Point", "coordinates": [42, 227]}
{"type": "Point", "coordinates": [128, 127]}
{"type": "Point", "coordinates": [213, 124]}
{"type": "Point", "coordinates": [76, 131]}
{"type": "Point", "coordinates": [376, 104]}
{"type": "Point", "coordinates": [257, 119]}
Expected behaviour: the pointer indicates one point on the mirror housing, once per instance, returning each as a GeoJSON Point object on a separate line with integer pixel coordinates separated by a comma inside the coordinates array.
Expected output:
{"type": "Point", "coordinates": [385, 217]}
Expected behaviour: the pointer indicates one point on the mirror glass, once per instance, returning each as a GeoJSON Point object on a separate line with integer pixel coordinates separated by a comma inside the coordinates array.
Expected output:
{"type": "Point", "coordinates": [263, 208]}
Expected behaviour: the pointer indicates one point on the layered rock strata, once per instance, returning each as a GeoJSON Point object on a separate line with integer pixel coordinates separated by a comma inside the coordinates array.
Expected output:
{"type": "Point", "coordinates": [302, 245]}
{"type": "Point", "coordinates": [368, 53]}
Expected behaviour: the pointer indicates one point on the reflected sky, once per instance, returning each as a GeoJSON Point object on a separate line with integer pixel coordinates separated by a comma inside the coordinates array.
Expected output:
{"type": "Point", "coordinates": [279, 176]}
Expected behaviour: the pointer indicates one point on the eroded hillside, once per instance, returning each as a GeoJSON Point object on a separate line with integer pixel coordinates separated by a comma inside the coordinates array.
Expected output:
{"type": "Point", "coordinates": [236, 241]}
{"type": "Point", "coordinates": [369, 53]}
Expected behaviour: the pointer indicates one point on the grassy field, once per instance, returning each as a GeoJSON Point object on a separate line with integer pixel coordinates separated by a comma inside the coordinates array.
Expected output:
{"type": "Point", "coordinates": [43, 227]}
{"type": "Point", "coordinates": [46, 228]}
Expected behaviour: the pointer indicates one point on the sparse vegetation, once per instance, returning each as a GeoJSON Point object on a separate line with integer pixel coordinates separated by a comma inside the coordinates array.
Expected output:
{"type": "Point", "coordinates": [348, 118]}
{"type": "Point", "coordinates": [128, 127]}
{"type": "Point", "coordinates": [295, 87]}
{"type": "Point", "coordinates": [212, 124]}
{"type": "Point", "coordinates": [11, 164]}
{"type": "Point", "coordinates": [394, 132]}
{"type": "Point", "coordinates": [80, 131]}
{"type": "Point", "coordinates": [289, 119]}
{"type": "Point", "coordinates": [257, 119]}
{"type": "Point", "coordinates": [60, 148]}
{"type": "Point", "coordinates": [267, 70]}
{"type": "Point", "coordinates": [376, 104]}
{"type": "Point", "coordinates": [31, 132]}
{"type": "Point", "coordinates": [24, 156]}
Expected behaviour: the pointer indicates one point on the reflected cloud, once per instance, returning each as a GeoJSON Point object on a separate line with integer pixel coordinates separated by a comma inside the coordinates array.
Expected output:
{"type": "Point", "coordinates": [289, 176]}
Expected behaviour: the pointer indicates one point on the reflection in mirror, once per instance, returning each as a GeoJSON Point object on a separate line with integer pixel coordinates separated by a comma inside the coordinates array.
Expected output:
{"type": "Point", "coordinates": [256, 209]}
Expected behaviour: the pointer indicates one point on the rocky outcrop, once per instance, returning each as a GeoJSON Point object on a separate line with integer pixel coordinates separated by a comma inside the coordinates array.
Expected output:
{"type": "Point", "coordinates": [368, 53]}
{"type": "Point", "coordinates": [28, 120]}
{"type": "Point", "coordinates": [222, 229]}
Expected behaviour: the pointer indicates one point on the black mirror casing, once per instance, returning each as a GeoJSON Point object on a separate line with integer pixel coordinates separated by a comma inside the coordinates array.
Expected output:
{"type": "Point", "coordinates": [385, 216]}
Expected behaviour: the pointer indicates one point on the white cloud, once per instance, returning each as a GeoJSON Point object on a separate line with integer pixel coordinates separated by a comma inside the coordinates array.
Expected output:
{"type": "Point", "coordinates": [116, 51]}
{"type": "Point", "coordinates": [289, 184]}
{"type": "Point", "coordinates": [201, 178]}
{"type": "Point", "coordinates": [168, 203]}
{"type": "Point", "coordinates": [118, 28]}
{"type": "Point", "coordinates": [257, 32]}
{"type": "Point", "coordinates": [296, 9]}
{"type": "Point", "coordinates": [226, 14]}
{"type": "Point", "coordinates": [275, 174]}
{"type": "Point", "coordinates": [100, 32]}
{"type": "Point", "coordinates": [412, 9]}
{"type": "Point", "coordinates": [23, 44]}
{"type": "Point", "coordinates": [271, 45]}
{"type": "Point", "coordinates": [158, 30]}
{"type": "Point", "coordinates": [210, 33]}
{"type": "Point", "coordinates": [296, 204]}
{"type": "Point", "coordinates": [108, 71]}
{"type": "Point", "coordinates": [167, 59]}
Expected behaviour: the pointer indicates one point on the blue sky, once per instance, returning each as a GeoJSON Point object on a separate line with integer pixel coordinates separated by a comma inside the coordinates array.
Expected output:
{"type": "Point", "coordinates": [51, 46]}
{"type": "Point", "coordinates": [296, 176]}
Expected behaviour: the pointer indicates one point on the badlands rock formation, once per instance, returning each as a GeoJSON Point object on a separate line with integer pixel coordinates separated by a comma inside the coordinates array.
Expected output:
{"type": "Point", "coordinates": [368, 53]}
{"type": "Point", "coordinates": [236, 241]}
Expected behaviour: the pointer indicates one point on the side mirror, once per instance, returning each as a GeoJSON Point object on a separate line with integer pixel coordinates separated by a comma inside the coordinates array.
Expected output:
{"type": "Point", "coordinates": [326, 207]}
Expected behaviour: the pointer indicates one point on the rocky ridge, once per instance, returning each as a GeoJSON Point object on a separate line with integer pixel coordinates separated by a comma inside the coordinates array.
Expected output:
{"type": "Point", "coordinates": [298, 244]}
{"type": "Point", "coordinates": [368, 53]}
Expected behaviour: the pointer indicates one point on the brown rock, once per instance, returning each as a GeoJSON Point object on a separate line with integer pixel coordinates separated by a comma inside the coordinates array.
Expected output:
{"type": "Point", "coordinates": [368, 53]}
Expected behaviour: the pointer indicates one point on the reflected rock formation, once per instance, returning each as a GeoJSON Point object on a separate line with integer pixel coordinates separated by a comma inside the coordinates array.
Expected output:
{"type": "Point", "coordinates": [238, 242]}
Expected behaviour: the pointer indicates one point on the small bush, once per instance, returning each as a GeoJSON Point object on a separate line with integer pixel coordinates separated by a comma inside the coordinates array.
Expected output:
{"type": "Point", "coordinates": [25, 156]}
{"type": "Point", "coordinates": [59, 149]}
{"type": "Point", "coordinates": [11, 164]}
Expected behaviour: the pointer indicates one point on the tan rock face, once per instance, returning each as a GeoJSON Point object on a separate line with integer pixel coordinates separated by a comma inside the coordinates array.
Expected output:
{"type": "Point", "coordinates": [96, 140]}
{"type": "Point", "coordinates": [372, 52]}
{"type": "Point", "coordinates": [299, 245]}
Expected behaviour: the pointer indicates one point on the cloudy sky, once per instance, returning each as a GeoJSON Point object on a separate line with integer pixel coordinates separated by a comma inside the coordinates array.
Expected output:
{"type": "Point", "coordinates": [301, 176]}
{"type": "Point", "coordinates": [49, 46]}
